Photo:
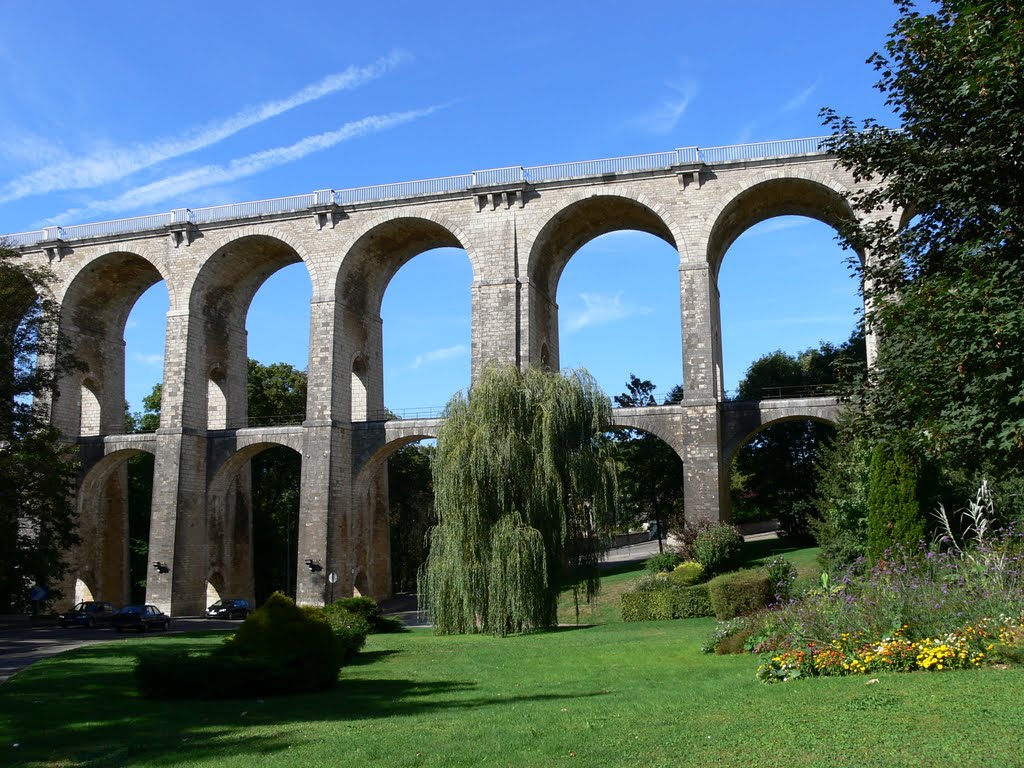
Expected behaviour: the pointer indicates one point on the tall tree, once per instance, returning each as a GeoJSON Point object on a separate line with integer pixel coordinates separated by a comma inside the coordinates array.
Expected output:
{"type": "Point", "coordinates": [946, 292]}
{"type": "Point", "coordinates": [774, 472]}
{"type": "Point", "coordinates": [277, 395]}
{"type": "Point", "coordinates": [522, 483]}
{"type": "Point", "coordinates": [650, 472]}
{"type": "Point", "coordinates": [37, 470]}
{"type": "Point", "coordinates": [411, 500]}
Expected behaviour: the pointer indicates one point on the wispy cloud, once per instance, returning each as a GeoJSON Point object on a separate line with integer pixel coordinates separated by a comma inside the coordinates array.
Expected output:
{"type": "Point", "coordinates": [109, 164]}
{"type": "Point", "coordinates": [779, 224]}
{"type": "Point", "coordinates": [800, 98]}
{"type": "Point", "coordinates": [441, 355]}
{"type": "Point", "coordinates": [213, 175]}
{"type": "Point", "coordinates": [665, 116]}
{"type": "Point", "coordinates": [599, 309]}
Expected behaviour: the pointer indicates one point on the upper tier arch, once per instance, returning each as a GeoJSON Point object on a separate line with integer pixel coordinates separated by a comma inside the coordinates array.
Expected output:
{"type": "Point", "coordinates": [793, 192]}
{"type": "Point", "coordinates": [587, 216]}
{"type": "Point", "coordinates": [383, 245]}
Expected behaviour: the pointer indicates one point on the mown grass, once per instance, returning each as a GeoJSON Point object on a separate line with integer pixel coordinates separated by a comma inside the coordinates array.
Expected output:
{"type": "Point", "coordinates": [609, 695]}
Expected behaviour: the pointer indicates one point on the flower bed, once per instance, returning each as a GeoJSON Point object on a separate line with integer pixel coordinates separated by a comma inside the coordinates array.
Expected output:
{"type": "Point", "coordinates": [853, 653]}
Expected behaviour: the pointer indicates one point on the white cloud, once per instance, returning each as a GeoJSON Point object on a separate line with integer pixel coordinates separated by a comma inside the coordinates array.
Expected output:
{"type": "Point", "coordinates": [109, 164]}
{"type": "Point", "coordinates": [800, 98]}
{"type": "Point", "coordinates": [441, 355]}
{"type": "Point", "coordinates": [665, 116]}
{"type": "Point", "coordinates": [599, 309]}
{"type": "Point", "coordinates": [778, 224]}
{"type": "Point", "coordinates": [214, 175]}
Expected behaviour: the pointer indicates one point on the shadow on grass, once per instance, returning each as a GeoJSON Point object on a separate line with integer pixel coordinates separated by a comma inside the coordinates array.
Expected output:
{"type": "Point", "coordinates": [754, 552]}
{"type": "Point", "coordinates": [82, 708]}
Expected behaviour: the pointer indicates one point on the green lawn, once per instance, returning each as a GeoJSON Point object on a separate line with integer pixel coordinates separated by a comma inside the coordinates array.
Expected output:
{"type": "Point", "coordinates": [608, 695]}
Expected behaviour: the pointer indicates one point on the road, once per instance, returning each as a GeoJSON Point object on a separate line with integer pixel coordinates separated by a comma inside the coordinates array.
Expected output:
{"type": "Point", "coordinates": [23, 643]}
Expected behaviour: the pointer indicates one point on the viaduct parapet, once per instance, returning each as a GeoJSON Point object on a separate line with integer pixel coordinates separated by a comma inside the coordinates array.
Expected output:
{"type": "Point", "coordinates": [519, 227]}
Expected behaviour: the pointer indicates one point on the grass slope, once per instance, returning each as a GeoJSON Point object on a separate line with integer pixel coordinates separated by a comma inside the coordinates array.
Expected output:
{"type": "Point", "coordinates": [609, 695]}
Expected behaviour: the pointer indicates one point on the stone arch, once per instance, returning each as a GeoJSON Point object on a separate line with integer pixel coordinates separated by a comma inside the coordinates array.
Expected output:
{"type": "Point", "coordinates": [768, 195]}
{"type": "Point", "coordinates": [229, 518]}
{"type": "Point", "coordinates": [360, 387]}
{"type": "Point", "coordinates": [219, 301]}
{"type": "Point", "coordinates": [588, 215]}
{"type": "Point", "coordinates": [360, 583]}
{"type": "Point", "coordinates": [383, 245]}
{"type": "Point", "coordinates": [652, 422]}
{"type": "Point", "coordinates": [739, 436]}
{"type": "Point", "coordinates": [376, 251]}
{"type": "Point", "coordinates": [95, 306]}
{"type": "Point", "coordinates": [82, 591]}
{"type": "Point", "coordinates": [585, 216]}
{"type": "Point", "coordinates": [368, 526]}
{"type": "Point", "coordinates": [102, 507]}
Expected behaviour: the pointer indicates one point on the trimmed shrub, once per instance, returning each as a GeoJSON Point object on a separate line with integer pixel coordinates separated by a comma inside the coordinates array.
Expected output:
{"type": "Point", "coordinates": [368, 608]}
{"type": "Point", "coordinates": [646, 606]}
{"type": "Point", "coordinates": [350, 628]}
{"type": "Point", "coordinates": [280, 648]}
{"type": "Point", "coordinates": [692, 602]}
{"type": "Point", "coordinates": [740, 593]}
{"type": "Point", "coordinates": [717, 548]}
{"type": "Point", "coordinates": [663, 562]}
{"type": "Point", "coordinates": [687, 574]}
{"type": "Point", "coordinates": [670, 602]}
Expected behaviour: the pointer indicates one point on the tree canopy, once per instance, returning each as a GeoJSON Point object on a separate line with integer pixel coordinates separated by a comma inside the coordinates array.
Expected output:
{"type": "Point", "coordinates": [945, 293]}
{"type": "Point", "coordinates": [773, 473]}
{"type": "Point", "coordinates": [37, 470]}
{"type": "Point", "coordinates": [521, 481]}
{"type": "Point", "coordinates": [650, 473]}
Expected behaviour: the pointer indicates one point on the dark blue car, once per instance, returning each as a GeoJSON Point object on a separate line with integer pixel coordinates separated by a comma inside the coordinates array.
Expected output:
{"type": "Point", "coordinates": [141, 618]}
{"type": "Point", "coordinates": [90, 613]}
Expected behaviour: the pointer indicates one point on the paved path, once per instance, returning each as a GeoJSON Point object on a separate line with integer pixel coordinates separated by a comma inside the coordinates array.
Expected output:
{"type": "Point", "coordinates": [23, 643]}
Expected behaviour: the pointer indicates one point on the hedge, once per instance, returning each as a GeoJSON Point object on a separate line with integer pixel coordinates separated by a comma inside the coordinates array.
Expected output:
{"type": "Point", "coordinates": [739, 593]}
{"type": "Point", "coordinates": [671, 602]}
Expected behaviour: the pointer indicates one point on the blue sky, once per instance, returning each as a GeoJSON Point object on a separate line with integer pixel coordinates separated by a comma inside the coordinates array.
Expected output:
{"type": "Point", "coordinates": [117, 109]}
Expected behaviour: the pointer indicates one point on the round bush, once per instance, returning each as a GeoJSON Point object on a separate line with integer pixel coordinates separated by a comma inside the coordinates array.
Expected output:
{"type": "Point", "coordinates": [717, 548]}
{"type": "Point", "coordinates": [687, 573]}
{"type": "Point", "coordinates": [662, 562]}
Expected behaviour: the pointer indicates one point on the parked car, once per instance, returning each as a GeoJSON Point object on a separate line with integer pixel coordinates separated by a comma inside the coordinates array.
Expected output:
{"type": "Point", "coordinates": [141, 618]}
{"type": "Point", "coordinates": [232, 608]}
{"type": "Point", "coordinates": [90, 613]}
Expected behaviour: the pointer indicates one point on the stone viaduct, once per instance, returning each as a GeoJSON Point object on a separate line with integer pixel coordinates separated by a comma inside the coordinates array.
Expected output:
{"type": "Point", "coordinates": [518, 227]}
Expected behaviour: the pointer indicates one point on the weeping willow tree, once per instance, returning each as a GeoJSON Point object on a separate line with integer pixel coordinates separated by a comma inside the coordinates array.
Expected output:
{"type": "Point", "coordinates": [521, 483]}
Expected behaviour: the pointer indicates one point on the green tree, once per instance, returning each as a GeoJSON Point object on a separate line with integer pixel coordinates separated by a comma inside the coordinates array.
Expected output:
{"type": "Point", "coordinates": [522, 485]}
{"type": "Point", "coordinates": [411, 501]}
{"type": "Point", "coordinates": [277, 395]}
{"type": "Point", "coordinates": [945, 291]}
{"type": "Point", "coordinates": [842, 481]}
{"type": "Point", "coordinates": [37, 470]}
{"type": "Point", "coordinates": [773, 474]}
{"type": "Point", "coordinates": [894, 516]}
{"type": "Point", "coordinates": [650, 473]}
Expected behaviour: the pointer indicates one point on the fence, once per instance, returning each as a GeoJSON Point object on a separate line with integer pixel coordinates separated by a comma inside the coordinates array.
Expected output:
{"type": "Point", "coordinates": [658, 161]}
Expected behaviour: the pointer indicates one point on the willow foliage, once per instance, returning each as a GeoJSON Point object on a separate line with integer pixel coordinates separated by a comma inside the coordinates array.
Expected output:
{"type": "Point", "coordinates": [521, 482]}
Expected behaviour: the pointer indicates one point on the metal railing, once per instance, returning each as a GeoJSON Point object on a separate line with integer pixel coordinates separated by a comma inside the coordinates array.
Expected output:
{"type": "Point", "coordinates": [657, 161]}
{"type": "Point", "coordinates": [790, 393]}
